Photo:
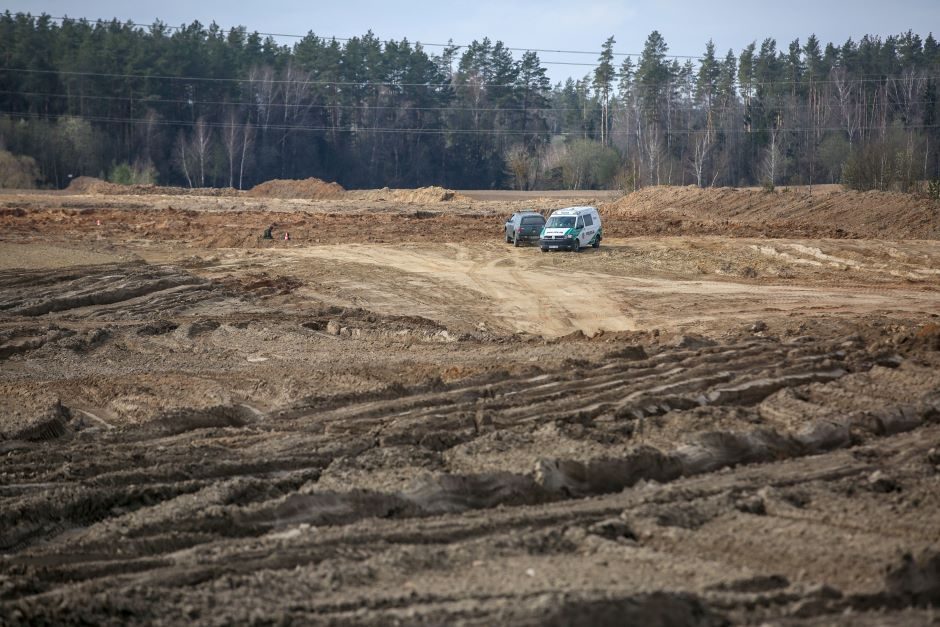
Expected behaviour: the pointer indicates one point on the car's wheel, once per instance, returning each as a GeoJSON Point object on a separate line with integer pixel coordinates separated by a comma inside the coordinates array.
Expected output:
{"type": "Point", "coordinates": [516, 242]}
{"type": "Point", "coordinates": [597, 242]}
{"type": "Point", "coordinates": [508, 239]}
{"type": "Point", "coordinates": [544, 250]}
{"type": "Point", "coordinates": [576, 246]}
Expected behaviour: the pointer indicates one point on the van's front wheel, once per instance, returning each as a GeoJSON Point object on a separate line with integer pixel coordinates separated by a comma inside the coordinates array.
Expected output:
{"type": "Point", "coordinates": [576, 246]}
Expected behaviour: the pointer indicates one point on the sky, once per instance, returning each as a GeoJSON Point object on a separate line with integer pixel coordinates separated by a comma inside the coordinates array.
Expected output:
{"type": "Point", "coordinates": [546, 24]}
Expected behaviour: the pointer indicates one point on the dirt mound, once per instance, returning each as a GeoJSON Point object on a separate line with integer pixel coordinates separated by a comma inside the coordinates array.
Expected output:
{"type": "Point", "coordinates": [92, 185]}
{"type": "Point", "coordinates": [420, 195]}
{"type": "Point", "coordinates": [311, 188]}
{"type": "Point", "coordinates": [827, 213]}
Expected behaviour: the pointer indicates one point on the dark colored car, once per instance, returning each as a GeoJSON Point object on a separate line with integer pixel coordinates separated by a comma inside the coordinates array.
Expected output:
{"type": "Point", "coordinates": [524, 226]}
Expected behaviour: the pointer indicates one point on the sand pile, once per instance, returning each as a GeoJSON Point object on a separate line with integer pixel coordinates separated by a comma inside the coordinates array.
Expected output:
{"type": "Point", "coordinates": [90, 185]}
{"type": "Point", "coordinates": [886, 215]}
{"type": "Point", "coordinates": [420, 195]}
{"type": "Point", "coordinates": [310, 189]}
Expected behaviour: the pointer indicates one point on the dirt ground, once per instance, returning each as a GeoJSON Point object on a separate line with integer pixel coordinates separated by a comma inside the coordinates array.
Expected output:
{"type": "Point", "coordinates": [728, 413]}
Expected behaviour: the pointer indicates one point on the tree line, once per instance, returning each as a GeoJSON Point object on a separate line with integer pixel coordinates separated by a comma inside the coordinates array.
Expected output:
{"type": "Point", "coordinates": [201, 106]}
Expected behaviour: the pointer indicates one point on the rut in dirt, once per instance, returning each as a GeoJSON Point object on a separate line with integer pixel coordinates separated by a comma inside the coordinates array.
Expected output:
{"type": "Point", "coordinates": [468, 446]}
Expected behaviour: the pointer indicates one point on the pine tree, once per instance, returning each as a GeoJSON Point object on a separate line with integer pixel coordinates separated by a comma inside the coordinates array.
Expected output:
{"type": "Point", "coordinates": [709, 71]}
{"type": "Point", "coordinates": [625, 77]}
{"type": "Point", "coordinates": [533, 86]}
{"type": "Point", "coordinates": [815, 67]}
{"type": "Point", "coordinates": [603, 80]}
{"type": "Point", "coordinates": [652, 75]}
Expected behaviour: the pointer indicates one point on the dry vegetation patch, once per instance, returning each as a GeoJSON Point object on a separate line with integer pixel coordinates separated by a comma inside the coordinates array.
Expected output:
{"type": "Point", "coordinates": [92, 185]}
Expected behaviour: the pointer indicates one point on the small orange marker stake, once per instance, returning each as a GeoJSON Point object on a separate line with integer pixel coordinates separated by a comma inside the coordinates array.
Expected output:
{"type": "Point", "coordinates": [286, 236]}
{"type": "Point", "coordinates": [97, 222]}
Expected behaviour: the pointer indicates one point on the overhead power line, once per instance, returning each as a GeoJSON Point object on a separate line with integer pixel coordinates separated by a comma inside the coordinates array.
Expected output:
{"type": "Point", "coordinates": [147, 100]}
{"type": "Point", "coordinates": [451, 45]}
{"type": "Point", "coordinates": [383, 41]}
{"type": "Point", "coordinates": [432, 131]}
{"type": "Point", "coordinates": [444, 85]}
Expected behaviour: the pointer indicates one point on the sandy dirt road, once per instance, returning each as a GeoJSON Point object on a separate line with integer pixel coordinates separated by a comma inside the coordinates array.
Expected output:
{"type": "Point", "coordinates": [521, 290]}
{"type": "Point", "coordinates": [494, 287]}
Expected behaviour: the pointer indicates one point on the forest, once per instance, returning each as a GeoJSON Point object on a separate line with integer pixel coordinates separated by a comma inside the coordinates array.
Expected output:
{"type": "Point", "coordinates": [200, 106]}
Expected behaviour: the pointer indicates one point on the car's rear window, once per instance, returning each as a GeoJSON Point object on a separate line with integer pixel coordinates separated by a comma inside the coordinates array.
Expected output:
{"type": "Point", "coordinates": [533, 220]}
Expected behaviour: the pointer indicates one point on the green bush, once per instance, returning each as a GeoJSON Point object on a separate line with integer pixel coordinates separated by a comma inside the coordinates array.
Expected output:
{"type": "Point", "coordinates": [121, 174]}
{"type": "Point", "coordinates": [141, 173]}
{"type": "Point", "coordinates": [933, 189]}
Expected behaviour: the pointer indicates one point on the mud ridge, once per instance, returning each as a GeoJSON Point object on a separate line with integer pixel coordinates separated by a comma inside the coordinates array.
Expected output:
{"type": "Point", "coordinates": [21, 295]}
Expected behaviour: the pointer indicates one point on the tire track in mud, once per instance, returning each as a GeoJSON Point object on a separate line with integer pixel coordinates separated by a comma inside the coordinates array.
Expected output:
{"type": "Point", "coordinates": [304, 550]}
{"type": "Point", "coordinates": [80, 309]}
{"type": "Point", "coordinates": [99, 286]}
{"type": "Point", "coordinates": [505, 468]}
{"type": "Point", "coordinates": [603, 402]}
{"type": "Point", "coordinates": [111, 291]}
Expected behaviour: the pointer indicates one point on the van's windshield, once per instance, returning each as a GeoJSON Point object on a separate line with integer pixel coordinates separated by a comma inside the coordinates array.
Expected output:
{"type": "Point", "coordinates": [560, 222]}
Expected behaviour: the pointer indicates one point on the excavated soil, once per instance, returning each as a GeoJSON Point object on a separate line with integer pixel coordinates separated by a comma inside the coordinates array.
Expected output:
{"type": "Point", "coordinates": [785, 212]}
{"type": "Point", "coordinates": [393, 417]}
{"type": "Point", "coordinates": [311, 188]}
{"type": "Point", "coordinates": [413, 196]}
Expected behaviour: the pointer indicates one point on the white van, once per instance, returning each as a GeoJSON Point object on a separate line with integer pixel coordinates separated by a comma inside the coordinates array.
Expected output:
{"type": "Point", "coordinates": [571, 229]}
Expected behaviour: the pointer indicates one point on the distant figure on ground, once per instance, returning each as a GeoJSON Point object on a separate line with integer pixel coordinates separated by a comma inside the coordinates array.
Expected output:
{"type": "Point", "coordinates": [267, 233]}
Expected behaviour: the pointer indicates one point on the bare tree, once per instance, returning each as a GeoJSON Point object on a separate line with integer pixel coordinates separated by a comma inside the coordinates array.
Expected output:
{"type": "Point", "coordinates": [702, 143]}
{"type": "Point", "coordinates": [848, 103]}
{"type": "Point", "coordinates": [192, 153]}
{"type": "Point", "coordinates": [907, 98]}
{"type": "Point", "coordinates": [651, 143]}
{"type": "Point", "coordinates": [231, 139]}
{"type": "Point", "coordinates": [201, 144]}
{"type": "Point", "coordinates": [522, 165]}
{"type": "Point", "coordinates": [237, 139]}
{"type": "Point", "coordinates": [247, 137]}
{"type": "Point", "coordinates": [772, 156]}
{"type": "Point", "coordinates": [182, 157]}
{"type": "Point", "coordinates": [263, 93]}
{"type": "Point", "coordinates": [296, 102]}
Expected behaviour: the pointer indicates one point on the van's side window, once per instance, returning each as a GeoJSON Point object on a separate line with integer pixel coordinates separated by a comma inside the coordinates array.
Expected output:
{"type": "Point", "coordinates": [588, 221]}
